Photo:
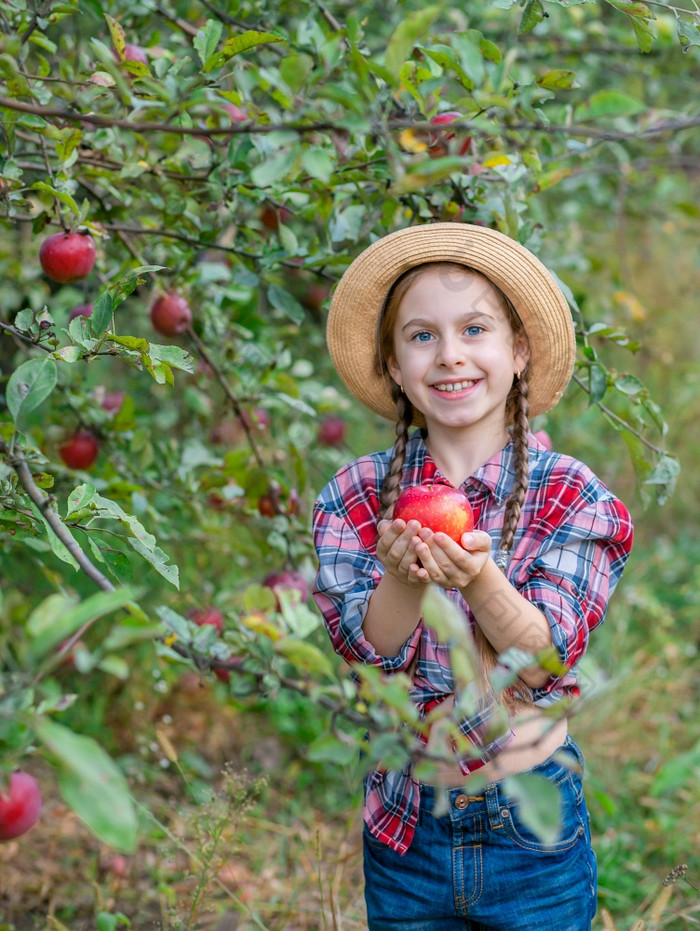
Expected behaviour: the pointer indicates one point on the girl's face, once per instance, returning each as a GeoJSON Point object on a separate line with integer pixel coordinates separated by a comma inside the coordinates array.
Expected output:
{"type": "Point", "coordinates": [454, 351]}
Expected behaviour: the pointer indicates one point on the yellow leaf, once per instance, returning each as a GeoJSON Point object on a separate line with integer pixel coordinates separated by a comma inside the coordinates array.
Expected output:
{"type": "Point", "coordinates": [629, 302]}
{"type": "Point", "coordinates": [496, 159]}
{"type": "Point", "coordinates": [261, 624]}
{"type": "Point", "coordinates": [117, 34]}
{"type": "Point", "coordinates": [411, 142]}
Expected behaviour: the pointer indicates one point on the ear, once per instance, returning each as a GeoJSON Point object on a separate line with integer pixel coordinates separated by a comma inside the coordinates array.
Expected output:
{"type": "Point", "coordinates": [394, 370]}
{"type": "Point", "coordinates": [521, 351]}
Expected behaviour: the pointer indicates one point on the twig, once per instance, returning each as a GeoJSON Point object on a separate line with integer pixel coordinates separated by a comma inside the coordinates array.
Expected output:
{"type": "Point", "coordinates": [622, 421]}
{"type": "Point", "coordinates": [228, 391]}
{"type": "Point", "coordinates": [53, 519]}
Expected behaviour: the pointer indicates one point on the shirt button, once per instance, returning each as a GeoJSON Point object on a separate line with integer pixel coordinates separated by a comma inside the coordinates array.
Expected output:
{"type": "Point", "coordinates": [461, 802]}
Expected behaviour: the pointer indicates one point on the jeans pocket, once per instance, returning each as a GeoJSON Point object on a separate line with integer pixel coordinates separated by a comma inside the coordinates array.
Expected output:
{"type": "Point", "coordinates": [571, 825]}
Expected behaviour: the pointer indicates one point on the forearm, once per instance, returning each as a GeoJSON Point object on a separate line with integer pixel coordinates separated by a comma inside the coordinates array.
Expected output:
{"type": "Point", "coordinates": [507, 619]}
{"type": "Point", "coordinates": [393, 613]}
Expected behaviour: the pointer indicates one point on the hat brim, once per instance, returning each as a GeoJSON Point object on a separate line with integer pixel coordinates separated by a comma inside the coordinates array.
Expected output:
{"type": "Point", "coordinates": [359, 298]}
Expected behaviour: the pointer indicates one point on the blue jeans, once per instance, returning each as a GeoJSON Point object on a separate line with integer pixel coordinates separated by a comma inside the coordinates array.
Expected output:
{"type": "Point", "coordinates": [478, 867]}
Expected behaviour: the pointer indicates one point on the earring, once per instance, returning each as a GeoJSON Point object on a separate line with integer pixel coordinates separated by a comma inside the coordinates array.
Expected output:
{"type": "Point", "coordinates": [517, 375]}
{"type": "Point", "coordinates": [401, 389]}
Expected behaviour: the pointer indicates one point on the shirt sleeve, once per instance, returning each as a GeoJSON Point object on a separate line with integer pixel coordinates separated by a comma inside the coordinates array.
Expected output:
{"type": "Point", "coordinates": [575, 547]}
{"type": "Point", "coordinates": [345, 532]}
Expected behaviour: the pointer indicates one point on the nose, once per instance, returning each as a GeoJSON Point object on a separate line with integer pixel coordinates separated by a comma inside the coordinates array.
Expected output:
{"type": "Point", "coordinates": [451, 352]}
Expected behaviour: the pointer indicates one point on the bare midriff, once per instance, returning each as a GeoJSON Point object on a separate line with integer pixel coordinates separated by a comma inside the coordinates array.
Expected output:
{"type": "Point", "coordinates": [535, 737]}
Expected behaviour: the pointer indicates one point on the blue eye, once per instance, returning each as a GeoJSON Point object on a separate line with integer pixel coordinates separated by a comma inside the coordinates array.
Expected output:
{"type": "Point", "coordinates": [474, 330]}
{"type": "Point", "coordinates": [422, 337]}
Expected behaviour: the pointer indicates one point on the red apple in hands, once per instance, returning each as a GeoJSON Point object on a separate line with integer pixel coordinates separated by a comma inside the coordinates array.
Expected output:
{"type": "Point", "coordinates": [20, 805]}
{"type": "Point", "coordinates": [80, 451]}
{"type": "Point", "coordinates": [171, 315]}
{"type": "Point", "coordinates": [67, 257]}
{"type": "Point", "coordinates": [202, 616]}
{"type": "Point", "coordinates": [441, 508]}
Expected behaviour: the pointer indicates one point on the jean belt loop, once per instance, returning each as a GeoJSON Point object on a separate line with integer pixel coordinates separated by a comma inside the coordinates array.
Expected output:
{"type": "Point", "coordinates": [493, 805]}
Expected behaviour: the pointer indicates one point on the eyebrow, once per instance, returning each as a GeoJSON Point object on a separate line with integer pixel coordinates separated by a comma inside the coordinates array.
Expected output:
{"type": "Point", "coordinates": [469, 317]}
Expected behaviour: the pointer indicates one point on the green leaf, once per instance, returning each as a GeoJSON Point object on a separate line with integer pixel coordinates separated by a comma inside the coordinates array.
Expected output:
{"type": "Point", "coordinates": [174, 356]}
{"type": "Point", "coordinates": [410, 30]}
{"type": "Point", "coordinates": [275, 167]}
{"type": "Point", "coordinates": [101, 317]}
{"type": "Point", "coordinates": [609, 103]}
{"type": "Point", "coordinates": [160, 561]}
{"type": "Point", "coordinates": [80, 498]}
{"type": "Point", "coordinates": [58, 547]}
{"type": "Point", "coordinates": [29, 386]}
{"type": "Point", "coordinates": [557, 78]}
{"type": "Point", "coordinates": [207, 39]}
{"type": "Point", "coordinates": [451, 626]}
{"type": "Point", "coordinates": [143, 542]}
{"type": "Point", "coordinates": [287, 303]}
{"type": "Point", "coordinates": [533, 14]}
{"type": "Point", "coordinates": [305, 656]}
{"type": "Point", "coordinates": [629, 385]}
{"type": "Point", "coordinates": [52, 622]}
{"type": "Point", "coordinates": [237, 44]}
{"type": "Point", "coordinates": [688, 33]}
{"type": "Point", "coordinates": [539, 804]}
{"type": "Point", "coordinates": [597, 382]}
{"type": "Point", "coordinates": [329, 749]}
{"type": "Point", "coordinates": [92, 785]}
{"type": "Point", "coordinates": [61, 195]}
{"type": "Point", "coordinates": [318, 163]}
{"type": "Point", "coordinates": [122, 287]}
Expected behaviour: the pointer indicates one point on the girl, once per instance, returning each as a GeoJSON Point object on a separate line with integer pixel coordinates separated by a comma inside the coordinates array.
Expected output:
{"type": "Point", "coordinates": [462, 332]}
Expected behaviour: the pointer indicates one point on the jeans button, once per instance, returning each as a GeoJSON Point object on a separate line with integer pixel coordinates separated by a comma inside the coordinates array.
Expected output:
{"type": "Point", "coordinates": [461, 801]}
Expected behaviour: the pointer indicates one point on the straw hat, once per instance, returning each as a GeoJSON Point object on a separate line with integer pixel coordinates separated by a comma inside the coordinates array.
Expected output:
{"type": "Point", "coordinates": [359, 298]}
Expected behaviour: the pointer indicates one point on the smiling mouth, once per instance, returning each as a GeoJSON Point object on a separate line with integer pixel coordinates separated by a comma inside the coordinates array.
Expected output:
{"type": "Point", "coordinates": [449, 387]}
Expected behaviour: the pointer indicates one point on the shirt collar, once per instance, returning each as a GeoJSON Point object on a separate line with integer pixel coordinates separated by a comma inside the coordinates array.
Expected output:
{"type": "Point", "coordinates": [496, 476]}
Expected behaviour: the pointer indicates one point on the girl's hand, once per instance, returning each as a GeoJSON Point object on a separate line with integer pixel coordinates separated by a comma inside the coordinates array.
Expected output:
{"type": "Point", "coordinates": [447, 564]}
{"type": "Point", "coordinates": [396, 550]}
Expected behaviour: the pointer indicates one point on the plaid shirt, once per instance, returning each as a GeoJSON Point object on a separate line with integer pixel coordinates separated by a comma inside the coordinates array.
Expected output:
{"type": "Point", "coordinates": [571, 545]}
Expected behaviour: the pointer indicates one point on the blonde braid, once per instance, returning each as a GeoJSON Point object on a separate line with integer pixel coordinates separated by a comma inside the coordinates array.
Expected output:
{"type": "Point", "coordinates": [517, 694]}
{"type": "Point", "coordinates": [521, 428]}
{"type": "Point", "coordinates": [392, 481]}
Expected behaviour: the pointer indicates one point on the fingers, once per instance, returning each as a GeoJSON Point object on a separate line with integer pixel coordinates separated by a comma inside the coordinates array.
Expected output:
{"type": "Point", "coordinates": [396, 548]}
{"type": "Point", "coordinates": [448, 563]}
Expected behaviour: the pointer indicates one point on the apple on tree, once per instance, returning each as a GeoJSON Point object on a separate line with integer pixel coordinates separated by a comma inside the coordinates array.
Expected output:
{"type": "Point", "coordinates": [438, 144]}
{"type": "Point", "coordinates": [81, 450]}
{"type": "Point", "coordinates": [288, 580]}
{"type": "Point", "coordinates": [331, 431]}
{"type": "Point", "coordinates": [80, 310]}
{"type": "Point", "coordinates": [208, 615]}
{"type": "Point", "coordinates": [132, 53]}
{"type": "Point", "coordinates": [20, 805]}
{"type": "Point", "coordinates": [441, 508]}
{"type": "Point", "coordinates": [67, 257]}
{"type": "Point", "coordinates": [171, 315]}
